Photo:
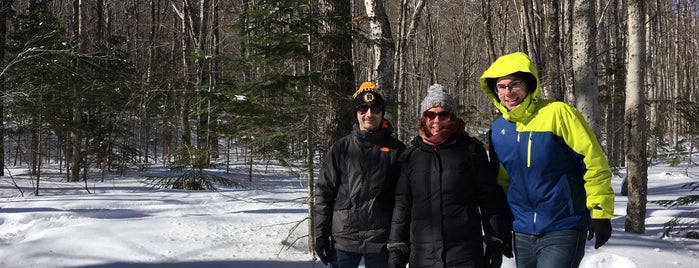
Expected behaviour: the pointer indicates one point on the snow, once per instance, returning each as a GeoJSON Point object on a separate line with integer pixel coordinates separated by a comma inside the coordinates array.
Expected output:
{"type": "Point", "coordinates": [123, 223]}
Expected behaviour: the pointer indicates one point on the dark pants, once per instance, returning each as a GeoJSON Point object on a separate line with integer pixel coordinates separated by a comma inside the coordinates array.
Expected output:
{"type": "Point", "coordinates": [344, 259]}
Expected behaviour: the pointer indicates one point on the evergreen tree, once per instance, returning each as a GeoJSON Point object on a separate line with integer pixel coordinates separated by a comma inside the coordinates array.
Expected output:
{"type": "Point", "coordinates": [48, 73]}
{"type": "Point", "coordinates": [271, 107]}
{"type": "Point", "coordinates": [685, 224]}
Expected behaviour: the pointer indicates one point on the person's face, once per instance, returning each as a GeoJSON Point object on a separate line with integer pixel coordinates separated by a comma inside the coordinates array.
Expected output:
{"type": "Point", "coordinates": [511, 91]}
{"type": "Point", "coordinates": [437, 119]}
{"type": "Point", "coordinates": [369, 116]}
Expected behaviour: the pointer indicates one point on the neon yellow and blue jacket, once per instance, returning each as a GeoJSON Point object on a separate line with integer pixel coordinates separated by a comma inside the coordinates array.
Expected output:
{"type": "Point", "coordinates": [552, 167]}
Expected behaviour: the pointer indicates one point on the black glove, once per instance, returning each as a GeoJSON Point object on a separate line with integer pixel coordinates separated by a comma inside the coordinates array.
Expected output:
{"type": "Point", "coordinates": [602, 228]}
{"type": "Point", "coordinates": [397, 259]}
{"type": "Point", "coordinates": [493, 255]}
{"type": "Point", "coordinates": [504, 245]}
{"type": "Point", "coordinates": [324, 249]}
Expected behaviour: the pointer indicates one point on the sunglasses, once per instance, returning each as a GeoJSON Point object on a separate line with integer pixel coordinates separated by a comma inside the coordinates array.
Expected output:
{"type": "Point", "coordinates": [375, 109]}
{"type": "Point", "coordinates": [442, 115]}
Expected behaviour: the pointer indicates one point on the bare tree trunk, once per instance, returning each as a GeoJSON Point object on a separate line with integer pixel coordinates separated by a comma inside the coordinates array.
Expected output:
{"type": "Point", "coordinates": [75, 135]}
{"type": "Point", "coordinates": [34, 146]}
{"type": "Point", "coordinates": [407, 26]}
{"type": "Point", "coordinates": [585, 62]}
{"type": "Point", "coordinates": [185, 28]}
{"type": "Point", "coordinates": [619, 86]}
{"type": "Point", "coordinates": [530, 31]}
{"type": "Point", "coordinates": [382, 48]}
{"type": "Point", "coordinates": [202, 30]}
{"type": "Point", "coordinates": [675, 118]}
{"type": "Point", "coordinates": [487, 20]}
{"type": "Point", "coordinates": [550, 66]}
{"type": "Point", "coordinates": [213, 71]}
{"type": "Point", "coordinates": [337, 55]}
{"type": "Point", "coordinates": [566, 61]}
{"type": "Point", "coordinates": [610, 41]}
{"type": "Point", "coordinates": [310, 172]}
{"type": "Point", "coordinates": [36, 155]}
{"type": "Point", "coordinates": [635, 131]}
{"type": "Point", "coordinates": [652, 78]}
{"type": "Point", "coordinates": [5, 9]}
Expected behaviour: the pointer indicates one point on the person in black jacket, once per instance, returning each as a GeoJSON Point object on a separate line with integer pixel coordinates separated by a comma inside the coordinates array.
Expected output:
{"type": "Point", "coordinates": [354, 194]}
{"type": "Point", "coordinates": [447, 196]}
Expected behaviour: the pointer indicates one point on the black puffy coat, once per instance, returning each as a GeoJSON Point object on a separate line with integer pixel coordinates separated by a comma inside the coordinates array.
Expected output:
{"type": "Point", "coordinates": [354, 194]}
{"type": "Point", "coordinates": [444, 196]}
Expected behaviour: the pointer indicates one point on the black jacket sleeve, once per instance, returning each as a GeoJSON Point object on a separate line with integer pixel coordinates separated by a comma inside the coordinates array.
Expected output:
{"type": "Point", "coordinates": [492, 201]}
{"type": "Point", "coordinates": [326, 192]}
{"type": "Point", "coordinates": [399, 237]}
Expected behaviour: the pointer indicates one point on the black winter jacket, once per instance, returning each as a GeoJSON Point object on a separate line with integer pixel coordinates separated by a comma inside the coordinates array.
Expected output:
{"type": "Point", "coordinates": [354, 194]}
{"type": "Point", "coordinates": [444, 196]}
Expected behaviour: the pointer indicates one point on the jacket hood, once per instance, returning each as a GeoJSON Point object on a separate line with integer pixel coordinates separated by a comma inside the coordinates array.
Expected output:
{"type": "Point", "coordinates": [506, 65]}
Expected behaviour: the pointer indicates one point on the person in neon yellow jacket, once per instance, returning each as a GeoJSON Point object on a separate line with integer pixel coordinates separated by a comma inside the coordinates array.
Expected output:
{"type": "Point", "coordinates": [551, 166]}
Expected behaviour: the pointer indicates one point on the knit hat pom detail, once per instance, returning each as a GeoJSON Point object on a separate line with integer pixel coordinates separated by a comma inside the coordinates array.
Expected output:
{"type": "Point", "coordinates": [367, 93]}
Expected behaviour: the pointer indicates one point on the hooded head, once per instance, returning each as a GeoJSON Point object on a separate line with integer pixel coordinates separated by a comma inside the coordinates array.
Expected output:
{"type": "Point", "coordinates": [519, 65]}
{"type": "Point", "coordinates": [437, 97]}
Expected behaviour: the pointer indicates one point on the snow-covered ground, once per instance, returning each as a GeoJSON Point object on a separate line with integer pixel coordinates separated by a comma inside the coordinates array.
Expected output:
{"type": "Point", "coordinates": [122, 223]}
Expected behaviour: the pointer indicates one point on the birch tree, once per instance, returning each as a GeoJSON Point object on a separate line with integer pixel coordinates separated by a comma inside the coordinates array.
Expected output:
{"type": "Point", "coordinates": [635, 126]}
{"type": "Point", "coordinates": [382, 47]}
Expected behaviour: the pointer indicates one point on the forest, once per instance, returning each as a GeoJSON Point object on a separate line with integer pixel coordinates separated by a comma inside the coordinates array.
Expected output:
{"type": "Point", "coordinates": [100, 86]}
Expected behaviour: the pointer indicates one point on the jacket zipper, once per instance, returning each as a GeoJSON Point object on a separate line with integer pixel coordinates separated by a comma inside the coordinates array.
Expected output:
{"type": "Point", "coordinates": [529, 162]}
{"type": "Point", "coordinates": [529, 150]}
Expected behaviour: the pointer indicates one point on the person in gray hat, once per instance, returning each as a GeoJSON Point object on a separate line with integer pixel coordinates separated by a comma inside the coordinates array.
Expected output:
{"type": "Point", "coordinates": [447, 195]}
{"type": "Point", "coordinates": [356, 186]}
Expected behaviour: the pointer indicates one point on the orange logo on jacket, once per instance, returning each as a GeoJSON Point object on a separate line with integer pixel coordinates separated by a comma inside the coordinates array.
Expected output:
{"type": "Point", "coordinates": [384, 149]}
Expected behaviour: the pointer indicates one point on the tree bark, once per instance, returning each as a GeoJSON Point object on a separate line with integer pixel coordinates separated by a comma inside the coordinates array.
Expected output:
{"type": "Point", "coordinates": [407, 25]}
{"type": "Point", "coordinates": [487, 20]}
{"type": "Point", "coordinates": [186, 49]}
{"type": "Point", "coordinates": [4, 12]}
{"type": "Point", "coordinates": [635, 127]}
{"type": "Point", "coordinates": [382, 48]}
{"type": "Point", "coordinates": [75, 132]}
{"type": "Point", "coordinates": [585, 62]}
{"type": "Point", "coordinates": [618, 74]}
{"type": "Point", "coordinates": [550, 66]}
{"type": "Point", "coordinates": [336, 50]}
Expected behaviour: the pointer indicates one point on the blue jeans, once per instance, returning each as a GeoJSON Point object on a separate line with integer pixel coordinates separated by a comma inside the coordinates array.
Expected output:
{"type": "Point", "coordinates": [344, 259]}
{"type": "Point", "coordinates": [557, 249]}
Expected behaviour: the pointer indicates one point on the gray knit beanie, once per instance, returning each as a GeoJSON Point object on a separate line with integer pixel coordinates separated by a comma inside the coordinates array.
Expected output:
{"type": "Point", "coordinates": [437, 97]}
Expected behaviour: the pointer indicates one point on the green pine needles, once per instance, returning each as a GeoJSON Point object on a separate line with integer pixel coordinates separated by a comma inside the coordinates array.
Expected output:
{"type": "Point", "coordinates": [192, 163]}
{"type": "Point", "coordinates": [686, 224]}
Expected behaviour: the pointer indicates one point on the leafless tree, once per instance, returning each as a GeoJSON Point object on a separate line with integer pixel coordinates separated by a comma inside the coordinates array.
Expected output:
{"type": "Point", "coordinates": [585, 62]}
{"type": "Point", "coordinates": [382, 47]}
{"type": "Point", "coordinates": [5, 8]}
{"type": "Point", "coordinates": [635, 126]}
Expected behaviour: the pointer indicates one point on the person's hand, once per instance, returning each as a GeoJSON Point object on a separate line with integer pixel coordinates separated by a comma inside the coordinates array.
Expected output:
{"type": "Point", "coordinates": [397, 259]}
{"type": "Point", "coordinates": [493, 255]}
{"type": "Point", "coordinates": [323, 249]}
{"type": "Point", "coordinates": [602, 229]}
{"type": "Point", "coordinates": [494, 250]}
